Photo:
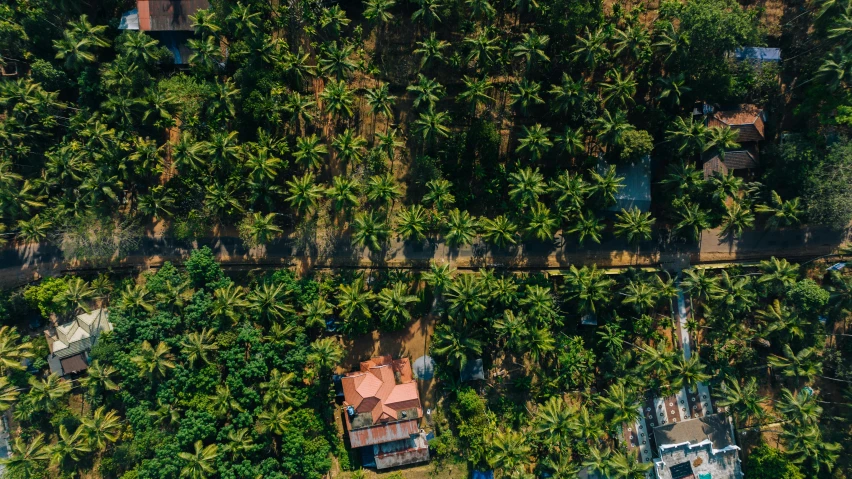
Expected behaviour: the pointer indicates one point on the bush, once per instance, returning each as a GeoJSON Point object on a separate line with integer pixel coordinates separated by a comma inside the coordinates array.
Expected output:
{"type": "Point", "coordinates": [47, 296]}
{"type": "Point", "coordinates": [769, 463]}
{"type": "Point", "coordinates": [808, 296]}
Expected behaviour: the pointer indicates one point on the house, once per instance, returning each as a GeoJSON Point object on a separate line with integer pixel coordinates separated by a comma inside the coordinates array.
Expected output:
{"type": "Point", "coordinates": [701, 448]}
{"type": "Point", "coordinates": [748, 122]}
{"type": "Point", "coordinates": [70, 343]}
{"type": "Point", "coordinates": [382, 413]}
{"type": "Point", "coordinates": [167, 21]}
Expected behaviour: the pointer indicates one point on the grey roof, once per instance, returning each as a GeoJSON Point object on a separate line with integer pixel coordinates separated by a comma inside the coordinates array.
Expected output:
{"type": "Point", "coordinates": [472, 371]}
{"type": "Point", "coordinates": [759, 54]}
{"type": "Point", "coordinates": [637, 185]}
{"type": "Point", "coordinates": [714, 427]}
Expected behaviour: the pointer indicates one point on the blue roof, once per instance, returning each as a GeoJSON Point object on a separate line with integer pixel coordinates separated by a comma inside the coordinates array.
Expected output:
{"type": "Point", "coordinates": [483, 474]}
{"type": "Point", "coordinates": [759, 54]}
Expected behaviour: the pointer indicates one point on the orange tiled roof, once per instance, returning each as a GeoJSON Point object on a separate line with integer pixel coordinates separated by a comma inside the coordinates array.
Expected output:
{"type": "Point", "coordinates": [374, 389]}
{"type": "Point", "coordinates": [168, 15]}
{"type": "Point", "coordinates": [747, 120]}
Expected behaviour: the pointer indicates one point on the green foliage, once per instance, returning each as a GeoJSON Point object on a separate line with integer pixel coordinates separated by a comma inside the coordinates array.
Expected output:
{"type": "Point", "coordinates": [47, 296]}
{"type": "Point", "coordinates": [766, 462]}
{"type": "Point", "coordinates": [808, 296]}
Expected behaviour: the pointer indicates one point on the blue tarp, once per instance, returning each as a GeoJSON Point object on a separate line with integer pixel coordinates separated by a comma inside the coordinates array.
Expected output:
{"type": "Point", "coordinates": [758, 54]}
{"type": "Point", "coordinates": [483, 474]}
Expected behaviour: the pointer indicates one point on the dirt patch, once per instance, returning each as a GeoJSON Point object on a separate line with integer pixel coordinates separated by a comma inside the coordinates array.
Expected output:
{"type": "Point", "coordinates": [425, 471]}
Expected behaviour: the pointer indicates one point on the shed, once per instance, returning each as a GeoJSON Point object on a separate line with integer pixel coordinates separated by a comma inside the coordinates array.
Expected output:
{"type": "Point", "coordinates": [758, 54]}
{"type": "Point", "coordinates": [473, 371]}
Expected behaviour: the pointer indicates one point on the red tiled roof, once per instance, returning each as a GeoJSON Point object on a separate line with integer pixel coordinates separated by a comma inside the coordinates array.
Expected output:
{"type": "Point", "coordinates": [747, 120]}
{"type": "Point", "coordinates": [382, 433]}
{"type": "Point", "coordinates": [168, 15]}
{"type": "Point", "coordinates": [714, 165]}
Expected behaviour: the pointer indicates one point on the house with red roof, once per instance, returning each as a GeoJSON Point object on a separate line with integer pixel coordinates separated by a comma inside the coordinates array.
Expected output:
{"type": "Point", "coordinates": [382, 413]}
{"type": "Point", "coordinates": [748, 122]}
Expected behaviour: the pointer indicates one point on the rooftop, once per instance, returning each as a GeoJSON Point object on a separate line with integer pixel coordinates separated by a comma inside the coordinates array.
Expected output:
{"type": "Point", "coordinates": [697, 448]}
{"type": "Point", "coordinates": [746, 119]}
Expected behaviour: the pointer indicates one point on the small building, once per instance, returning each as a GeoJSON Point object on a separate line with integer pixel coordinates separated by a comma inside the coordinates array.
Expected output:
{"type": "Point", "coordinates": [167, 21]}
{"type": "Point", "coordinates": [748, 122]}
{"type": "Point", "coordinates": [700, 448]}
{"type": "Point", "coordinates": [636, 191]}
{"type": "Point", "coordinates": [382, 413]}
{"type": "Point", "coordinates": [70, 343]}
{"type": "Point", "coordinates": [758, 55]}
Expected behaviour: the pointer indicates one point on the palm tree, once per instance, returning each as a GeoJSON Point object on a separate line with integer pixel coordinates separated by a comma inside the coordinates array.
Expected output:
{"type": "Point", "coordinates": [439, 276]}
{"type": "Point", "coordinates": [103, 427]}
{"type": "Point", "coordinates": [394, 302]}
{"type": "Point", "coordinates": [591, 48]}
{"type": "Point", "coordinates": [692, 221]}
{"type": "Point", "coordinates": [641, 295]}
{"type": "Point", "coordinates": [439, 194]}
{"type": "Point", "coordinates": [572, 141]}
{"type": "Point", "coordinates": [389, 142]}
{"type": "Point", "coordinates": [34, 230]}
{"type": "Point", "coordinates": [46, 394]}
{"type": "Point", "coordinates": [334, 61]}
{"type": "Point", "coordinates": [228, 301]}
{"type": "Point", "coordinates": [461, 228]}
{"type": "Point", "coordinates": [411, 223]}
{"type": "Point", "coordinates": [698, 284]}
{"type": "Point", "coordinates": [611, 129]}
{"type": "Point", "coordinates": [338, 98]}
{"type": "Point", "coordinates": [481, 9]}
{"type": "Point", "coordinates": [835, 69]}
{"type": "Point", "coordinates": [587, 225]}
{"type": "Point", "coordinates": [8, 394]}
{"type": "Point", "coordinates": [274, 420]}
{"type": "Point", "coordinates": [426, 91]}
{"type": "Point", "coordinates": [325, 353]}
{"type": "Point", "coordinates": [805, 363]}
{"type": "Point", "coordinates": [369, 230]}
{"type": "Point", "coordinates": [476, 92]}
{"type": "Point", "coordinates": [26, 459]}
{"type": "Point", "coordinates": [687, 373]}
{"type": "Point", "coordinates": [349, 146]}
{"type": "Point", "coordinates": [620, 91]}
{"type": "Point", "coordinates": [279, 388]}
{"type": "Point", "coordinates": [531, 48]}
{"type": "Point", "coordinates": [534, 140]}
{"type": "Point", "coordinates": [187, 154]}
{"type": "Point", "coordinates": [266, 302]}
{"type": "Point", "coordinates": [722, 138]}
{"type": "Point", "coordinates": [783, 213]}
{"type": "Point", "coordinates": [300, 108]}
{"type": "Point", "coordinates": [466, 297]}
{"type": "Point", "coordinates": [590, 287]}
{"type": "Point", "coordinates": [259, 229]}
{"type": "Point", "coordinates": [353, 300]}
{"type": "Point", "coordinates": [380, 99]}
{"type": "Point", "coordinates": [541, 225]}
{"type": "Point", "coordinates": [807, 446]}
{"type": "Point", "coordinates": [343, 193]}
{"type": "Point", "coordinates": [429, 11]}
{"type": "Point", "coordinates": [309, 151]}
{"type": "Point", "coordinates": [455, 344]}
{"type": "Point", "coordinates": [745, 401]}
{"type": "Point", "coordinates": [568, 95]}
{"type": "Point", "coordinates": [738, 217]}
{"type": "Point", "coordinates": [223, 402]}
{"type": "Point", "coordinates": [199, 464]}
{"type": "Point", "coordinates": [801, 408]}
{"type": "Point", "coordinates": [13, 350]}
{"type": "Point", "coordinates": [628, 466]}
{"type": "Point", "coordinates": [672, 43]}
{"type": "Point", "coordinates": [378, 11]}
{"type": "Point", "coordinates": [430, 50]}
{"type": "Point", "coordinates": [198, 345]}
{"type": "Point", "coordinates": [70, 447]}
{"type": "Point", "coordinates": [778, 271]}
{"type": "Point", "coordinates": [526, 185]}
{"type": "Point", "coordinates": [430, 125]}
{"type": "Point", "coordinates": [500, 231]}
{"type": "Point", "coordinates": [509, 452]}
{"type": "Point", "coordinates": [620, 404]}
{"type": "Point", "coordinates": [555, 420]}
{"type": "Point", "coordinates": [690, 136]}
{"type": "Point", "coordinates": [635, 225]}
{"type": "Point", "coordinates": [99, 378]}
{"type": "Point", "coordinates": [239, 443]}
{"type": "Point", "coordinates": [204, 22]}
{"type": "Point", "coordinates": [633, 40]}
{"type": "Point", "coordinates": [304, 193]}
{"type": "Point", "coordinates": [526, 94]}
{"type": "Point", "coordinates": [571, 190]}
{"type": "Point", "coordinates": [135, 297]}
{"type": "Point", "coordinates": [672, 89]}
{"type": "Point", "coordinates": [382, 189]}
{"type": "Point", "coordinates": [483, 48]}
{"type": "Point", "coordinates": [153, 362]}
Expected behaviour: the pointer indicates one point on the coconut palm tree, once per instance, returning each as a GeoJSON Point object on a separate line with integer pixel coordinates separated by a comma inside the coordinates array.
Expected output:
{"type": "Point", "coordinates": [46, 394]}
{"type": "Point", "coordinates": [223, 403]}
{"type": "Point", "coordinates": [335, 61]}
{"type": "Point", "coordinates": [411, 223]}
{"type": "Point", "coordinates": [554, 420]}
{"type": "Point", "coordinates": [378, 11]}
{"type": "Point", "coordinates": [526, 185]}
{"type": "Point", "coordinates": [475, 92]}
{"type": "Point", "coordinates": [778, 272]}
{"type": "Point", "coordinates": [687, 373]}
{"type": "Point", "coordinates": [198, 345]}
{"type": "Point", "coordinates": [744, 401]}
{"type": "Point", "coordinates": [586, 225]}
{"type": "Point", "coordinates": [338, 99]}
{"type": "Point", "coordinates": [806, 446]}
{"type": "Point", "coordinates": [572, 141]}
{"type": "Point", "coordinates": [620, 404]}
{"type": "Point", "coordinates": [509, 452]}
{"type": "Point", "coordinates": [431, 125]}
{"type": "Point", "coordinates": [722, 138]}
{"type": "Point", "coordinates": [439, 194]}
{"type": "Point", "coordinates": [369, 230]}
{"type": "Point", "coordinates": [534, 141]}
{"type": "Point", "coordinates": [349, 146]}
{"type": "Point", "coordinates": [316, 312]}
{"type": "Point", "coordinates": [153, 362]}
{"type": "Point", "coordinates": [389, 142]}
{"type": "Point", "coordinates": [380, 99]}
{"type": "Point", "coordinates": [500, 231]}
{"type": "Point", "coordinates": [8, 394]}
{"type": "Point", "coordinates": [325, 354]}
{"type": "Point", "coordinates": [455, 344]}
{"type": "Point", "coordinates": [571, 192]}
{"type": "Point", "coordinates": [27, 458]}
{"type": "Point", "coordinates": [782, 213]}
{"type": "Point", "coordinates": [620, 90]}
{"type": "Point", "coordinates": [13, 350]}
{"type": "Point", "coordinates": [343, 193]}
{"type": "Point", "coordinates": [427, 92]}
{"type": "Point", "coordinates": [461, 228]}
{"type": "Point", "coordinates": [354, 301]}
{"type": "Point", "coordinates": [34, 230]}
{"type": "Point", "coordinates": [382, 189]}
{"type": "Point", "coordinates": [591, 47]}
{"type": "Point", "coordinates": [633, 224]}
{"type": "Point", "coordinates": [483, 48]}
{"type": "Point", "coordinates": [99, 378]}
{"type": "Point", "coordinates": [525, 95]}
{"type": "Point", "coordinates": [692, 221]}
{"type": "Point", "coordinates": [304, 193]}
{"type": "Point", "coordinates": [309, 152]}
{"type": "Point", "coordinates": [611, 129]}
{"type": "Point", "coordinates": [641, 295]}
{"type": "Point", "coordinates": [466, 297]}
{"type": "Point", "coordinates": [102, 428]}
{"type": "Point", "coordinates": [568, 95]}
{"type": "Point", "coordinates": [698, 283]}
{"type": "Point", "coordinates": [589, 287]}
{"type": "Point", "coordinates": [431, 50]}
{"type": "Point", "coordinates": [201, 463]}
{"type": "Point", "coordinates": [738, 217]}
{"type": "Point", "coordinates": [239, 443]}
{"type": "Point", "coordinates": [690, 137]}
{"type": "Point", "coordinates": [801, 408]}
{"type": "Point", "coordinates": [672, 44]}
{"type": "Point", "coordinates": [597, 460]}
{"type": "Point", "coordinates": [840, 291]}
{"type": "Point", "coordinates": [429, 11]}
{"type": "Point", "coordinates": [266, 302]}
{"type": "Point", "coordinates": [439, 276]}
{"type": "Point", "coordinates": [259, 229]}
{"type": "Point", "coordinates": [278, 390]}
{"type": "Point", "coordinates": [69, 448]}
{"type": "Point", "coordinates": [228, 302]}
{"type": "Point", "coordinates": [394, 302]}
{"type": "Point", "coordinates": [531, 48]}
{"type": "Point", "coordinates": [672, 89]}
{"type": "Point", "coordinates": [300, 108]}
{"type": "Point", "coordinates": [805, 363]}
{"type": "Point", "coordinates": [628, 466]}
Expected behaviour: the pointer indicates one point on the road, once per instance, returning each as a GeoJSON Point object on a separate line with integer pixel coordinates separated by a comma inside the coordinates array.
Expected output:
{"type": "Point", "coordinates": [22, 263]}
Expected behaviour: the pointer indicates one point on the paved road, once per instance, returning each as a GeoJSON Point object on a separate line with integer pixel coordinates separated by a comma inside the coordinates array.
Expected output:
{"type": "Point", "coordinates": [19, 264]}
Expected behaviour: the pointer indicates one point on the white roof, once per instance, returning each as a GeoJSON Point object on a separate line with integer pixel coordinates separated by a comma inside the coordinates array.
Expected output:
{"type": "Point", "coordinates": [129, 20]}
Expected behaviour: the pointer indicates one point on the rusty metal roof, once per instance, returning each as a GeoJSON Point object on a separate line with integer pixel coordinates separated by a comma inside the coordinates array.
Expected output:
{"type": "Point", "coordinates": [168, 15]}
{"type": "Point", "coordinates": [394, 431]}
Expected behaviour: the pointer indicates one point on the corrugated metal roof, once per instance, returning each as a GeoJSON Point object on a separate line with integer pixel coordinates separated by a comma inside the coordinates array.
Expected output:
{"type": "Point", "coordinates": [637, 185]}
{"type": "Point", "coordinates": [129, 20]}
{"type": "Point", "coordinates": [394, 431]}
{"type": "Point", "coordinates": [759, 54]}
